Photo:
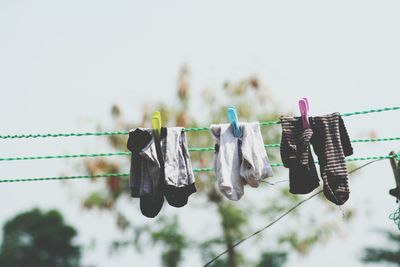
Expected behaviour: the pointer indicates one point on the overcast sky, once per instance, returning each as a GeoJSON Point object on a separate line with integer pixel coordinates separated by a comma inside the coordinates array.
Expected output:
{"type": "Point", "coordinates": [63, 64]}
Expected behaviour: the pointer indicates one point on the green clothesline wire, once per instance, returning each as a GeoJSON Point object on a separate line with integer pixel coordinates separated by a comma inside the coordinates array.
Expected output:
{"type": "Point", "coordinates": [106, 175]}
{"type": "Point", "coordinates": [196, 129]}
{"type": "Point", "coordinates": [190, 149]}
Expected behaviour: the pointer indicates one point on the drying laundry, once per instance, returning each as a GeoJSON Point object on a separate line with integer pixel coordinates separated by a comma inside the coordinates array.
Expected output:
{"type": "Point", "coordinates": [296, 155]}
{"type": "Point", "coordinates": [331, 143]}
{"type": "Point", "coordinates": [160, 167]}
{"type": "Point", "coordinates": [239, 160]}
{"type": "Point", "coordinates": [179, 177]}
{"type": "Point", "coordinates": [146, 173]}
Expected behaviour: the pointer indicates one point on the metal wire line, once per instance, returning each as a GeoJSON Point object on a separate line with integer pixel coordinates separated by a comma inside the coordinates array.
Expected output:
{"type": "Point", "coordinates": [280, 217]}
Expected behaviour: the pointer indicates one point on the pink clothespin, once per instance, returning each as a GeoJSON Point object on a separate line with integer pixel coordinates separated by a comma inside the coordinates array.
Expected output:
{"type": "Point", "coordinates": [304, 110]}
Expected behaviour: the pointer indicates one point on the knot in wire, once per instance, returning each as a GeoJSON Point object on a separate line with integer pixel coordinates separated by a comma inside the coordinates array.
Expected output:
{"type": "Point", "coordinates": [395, 216]}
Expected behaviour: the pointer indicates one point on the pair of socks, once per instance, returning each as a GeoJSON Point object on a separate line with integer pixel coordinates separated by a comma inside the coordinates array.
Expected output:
{"type": "Point", "coordinates": [239, 160]}
{"type": "Point", "coordinates": [329, 138]}
{"type": "Point", "coordinates": [160, 167]}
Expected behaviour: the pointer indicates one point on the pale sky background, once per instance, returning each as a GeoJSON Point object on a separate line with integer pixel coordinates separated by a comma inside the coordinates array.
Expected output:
{"type": "Point", "coordinates": [63, 64]}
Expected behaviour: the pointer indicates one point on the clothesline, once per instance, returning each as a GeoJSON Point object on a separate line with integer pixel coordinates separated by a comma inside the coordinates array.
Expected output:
{"type": "Point", "coordinates": [107, 175]}
{"type": "Point", "coordinates": [193, 129]}
{"type": "Point", "coordinates": [375, 158]}
{"type": "Point", "coordinates": [193, 149]}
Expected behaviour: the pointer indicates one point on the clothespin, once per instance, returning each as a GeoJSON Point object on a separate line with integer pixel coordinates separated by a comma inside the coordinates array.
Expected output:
{"type": "Point", "coordinates": [304, 111]}
{"type": "Point", "coordinates": [156, 123]}
{"type": "Point", "coordinates": [233, 119]}
{"type": "Point", "coordinates": [396, 172]}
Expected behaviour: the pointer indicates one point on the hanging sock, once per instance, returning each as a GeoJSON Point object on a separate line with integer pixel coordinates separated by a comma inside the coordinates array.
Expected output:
{"type": "Point", "coordinates": [296, 155]}
{"type": "Point", "coordinates": [226, 162]}
{"type": "Point", "coordinates": [254, 163]}
{"type": "Point", "coordinates": [332, 144]}
{"type": "Point", "coordinates": [179, 177]}
{"type": "Point", "coordinates": [240, 160]}
{"type": "Point", "coordinates": [138, 139]}
{"type": "Point", "coordinates": [147, 170]}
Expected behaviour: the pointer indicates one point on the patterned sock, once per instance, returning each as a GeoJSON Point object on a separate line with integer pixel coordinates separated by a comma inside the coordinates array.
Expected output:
{"type": "Point", "coordinates": [296, 155]}
{"type": "Point", "coordinates": [331, 143]}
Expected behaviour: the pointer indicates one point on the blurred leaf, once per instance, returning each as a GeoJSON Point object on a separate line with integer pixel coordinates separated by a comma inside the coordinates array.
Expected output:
{"type": "Point", "coordinates": [96, 200]}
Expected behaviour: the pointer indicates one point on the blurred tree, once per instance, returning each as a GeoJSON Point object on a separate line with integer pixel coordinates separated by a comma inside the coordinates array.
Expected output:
{"type": "Point", "coordinates": [253, 102]}
{"type": "Point", "coordinates": [272, 259]}
{"type": "Point", "coordinates": [38, 239]}
{"type": "Point", "coordinates": [384, 255]}
{"type": "Point", "coordinates": [174, 241]}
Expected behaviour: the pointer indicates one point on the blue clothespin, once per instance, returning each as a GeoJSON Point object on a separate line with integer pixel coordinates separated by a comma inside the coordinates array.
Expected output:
{"type": "Point", "coordinates": [232, 116]}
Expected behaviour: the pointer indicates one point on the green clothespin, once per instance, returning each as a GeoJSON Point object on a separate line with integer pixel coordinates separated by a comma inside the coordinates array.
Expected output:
{"type": "Point", "coordinates": [156, 123]}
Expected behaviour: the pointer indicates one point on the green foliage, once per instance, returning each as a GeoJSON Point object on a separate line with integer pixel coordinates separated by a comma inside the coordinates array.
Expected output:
{"type": "Point", "coordinates": [272, 259]}
{"type": "Point", "coordinates": [233, 218]}
{"type": "Point", "coordinates": [96, 199]}
{"type": "Point", "coordinates": [384, 255]}
{"type": "Point", "coordinates": [38, 239]}
{"type": "Point", "coordinates": [173, 241]}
